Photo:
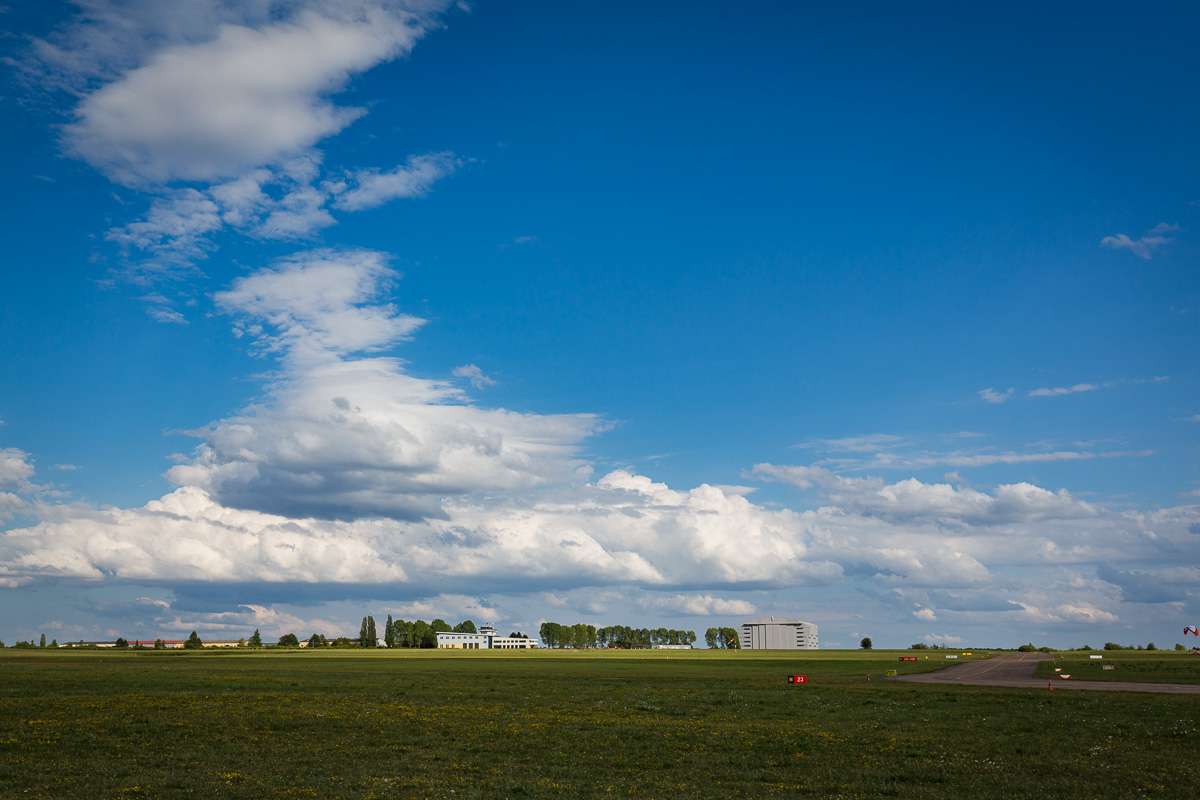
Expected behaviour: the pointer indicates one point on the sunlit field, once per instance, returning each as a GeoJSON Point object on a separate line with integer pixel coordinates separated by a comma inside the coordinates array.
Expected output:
{"type": "Point", "coordinates": [378, 724]}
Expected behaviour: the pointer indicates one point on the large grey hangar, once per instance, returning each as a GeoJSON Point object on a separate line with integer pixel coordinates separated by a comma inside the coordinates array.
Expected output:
{"type": "Point", "coordinates": [778, 633]}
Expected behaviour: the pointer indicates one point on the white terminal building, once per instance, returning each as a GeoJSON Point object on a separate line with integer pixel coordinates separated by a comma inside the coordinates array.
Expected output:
{"type": "Point", "coordinates": [778, 633]}
{"type": "Point", "coordinates": [485, 639]}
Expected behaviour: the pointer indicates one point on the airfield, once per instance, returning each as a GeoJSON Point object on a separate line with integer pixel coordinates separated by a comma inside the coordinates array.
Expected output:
{"type": "Point", "coordinates": [585, 724]}
{"type": "Point", "coordinates": [1016, 670]}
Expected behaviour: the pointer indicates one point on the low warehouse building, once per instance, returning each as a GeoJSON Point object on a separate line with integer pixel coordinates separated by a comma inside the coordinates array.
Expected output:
{"type": "Point", "coordinates": [485, 639]}
{"type": "Point", "coordinates": [778, 633]}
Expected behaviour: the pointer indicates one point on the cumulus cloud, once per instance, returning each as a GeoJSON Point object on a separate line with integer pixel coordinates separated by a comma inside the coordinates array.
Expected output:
{"type": "Point", "coordinates": [699, 605]}
{"type": "Point", "coordinates": [1068, 612]}
{"type": "Point", "coordinates": [911, 499]}
{"type": "Point", "coordinates": [1153, 586]}
{"type": "Point", "coordinates": [250, 96]}
{"type": "Point", "coordinates": [232, 99]}
{"type": "Point", "coordinates": [343, 436]}
{"type": "Point", "coordinates": [15, 469]}
{"type": "Point", "coordinates": [624, 529]}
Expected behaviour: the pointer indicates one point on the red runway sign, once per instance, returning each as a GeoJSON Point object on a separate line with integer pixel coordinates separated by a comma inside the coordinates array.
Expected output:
{"type": "Point", "coordinates": [908, 658]}
{"type": "Point", "coordinates": [797, 679]}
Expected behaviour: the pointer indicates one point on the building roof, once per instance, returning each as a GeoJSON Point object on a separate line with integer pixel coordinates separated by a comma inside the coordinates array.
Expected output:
{"type": "Point", "coordinates": [775, 621]}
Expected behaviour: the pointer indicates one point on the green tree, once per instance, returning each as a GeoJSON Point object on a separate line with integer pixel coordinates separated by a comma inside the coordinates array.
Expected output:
{"type": "Point", "coordinates": [918, 646]}
{"type": "Point", "coordinates": [372, 637]}
{"type": "Point", "coordinates": [1178, 646]}
{"type": "Point", "coordinates": [404, 633]}
{"type": "Point", "coordinates": [421, 634]}
{"type": "Point", "coordinates": [466, 626]}
{"type": "Point", "coordinates": [122, 644]}
{"type": "Point", "coordinates": [256, 639]}
{"type": "Point", "coordinates": [289, 640]}
{"type": "Point", "coordinates": [42, 643]}
{"type": "Point", "coordinates": [159, 644]}
{"type": "Point", "coordinates": [436, 627]}
{"type": "Point", "coordinates": [53, 643]}
{"type": "Point", "coordinates": [865, 644]}
{"type": "Point", "coordinates": [193, 642]}
{"type": "Point", "coordinates": [317, 640]}
{"type": "Point", "coordinates": [389, 633]}
{"type": "Point", "coordinates": [729, 639]}
{"type": "Point", "coordinates": [342, 641]}
{"type": "Point", "coordinates": [362, 633]}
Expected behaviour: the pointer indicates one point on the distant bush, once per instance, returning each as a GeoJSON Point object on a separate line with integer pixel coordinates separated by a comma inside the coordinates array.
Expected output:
{"type": "Point", "coordinates": [1027, 648]}
{"type": "Point", "coordinates": [918, 646]}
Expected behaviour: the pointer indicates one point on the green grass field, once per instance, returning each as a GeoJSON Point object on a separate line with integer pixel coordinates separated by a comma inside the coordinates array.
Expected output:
{"type": "Point", "coordinates": [1155, 666]}
{"type": "Point", "coordinates": [429, 724]}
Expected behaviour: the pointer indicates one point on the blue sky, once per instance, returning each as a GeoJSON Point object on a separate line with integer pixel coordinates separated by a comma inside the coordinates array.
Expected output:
{"type": "Point", "coordinates": [885, 319]}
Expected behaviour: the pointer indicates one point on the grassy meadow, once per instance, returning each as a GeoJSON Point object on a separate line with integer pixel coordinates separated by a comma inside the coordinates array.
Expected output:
{"type": "Point", "coordinates": [1142, 666]}
{"type": "Point", "coordinates": [644, 724]}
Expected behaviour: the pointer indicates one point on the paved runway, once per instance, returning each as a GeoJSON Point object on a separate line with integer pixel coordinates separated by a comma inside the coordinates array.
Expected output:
{"type": "Point", "coordinates": [1016, 669]}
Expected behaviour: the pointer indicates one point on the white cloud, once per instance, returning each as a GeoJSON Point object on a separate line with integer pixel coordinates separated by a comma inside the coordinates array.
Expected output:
{"type": "Point", "coordinates": [15, 469]}
{"type": "Point", "coordinates": [699, 605]}
{"type": "Point", "coordinates": [178, 224]}
{"type": "Point", "coordinates": [414, 179]}
{"type": "Point", "coordinates": [475, 375]}
{"type": "Point", "coordinates": [925, 615]}
{"type": "Point", "coordinates": [248, 97]}
{"type": "Point", "coordinates": [1061, 390]}
{"type": "Point", "coordinates": [322, 304]}
{"type": "Point", "coordinates": [1164, 227]}
{"type": "Point", "coordinates": [911, 499]}
{"type": "Point", "coordinates": [857, 444]}
{"type": "Point", "coordinates": [990, 395]}
{"type": "Point", "coordinates": [343, 437]}
{"type": "Point", "coordinates": [1145, 246]}
{"type": "Point", "coordinates": [942, 638]}
{"type": "Point", "coordinates": [1067, 612]}
{"type": "Point", "coordinates": [623, 530]}
{"type": "Point", "coordinates": [233, 99]}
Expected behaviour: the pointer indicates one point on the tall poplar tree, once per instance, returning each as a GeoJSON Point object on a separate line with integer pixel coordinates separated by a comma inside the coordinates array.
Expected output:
{"type": "Point", "coordinates": [389, 633]}
{"type": "Point", "coordinates": [372, 637]}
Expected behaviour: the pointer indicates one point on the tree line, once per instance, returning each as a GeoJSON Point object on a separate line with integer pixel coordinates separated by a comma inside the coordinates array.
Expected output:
{"type": "Point", "coordinates": [722, 639]}
{"type": "Point", "coordinates": [581, 636]}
